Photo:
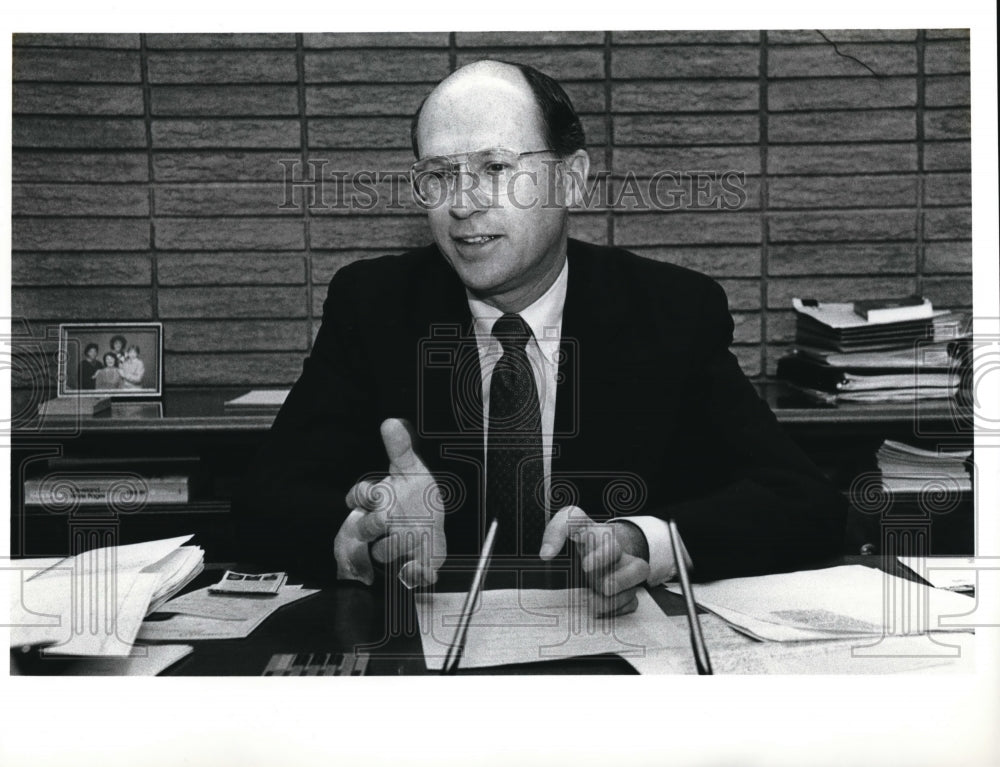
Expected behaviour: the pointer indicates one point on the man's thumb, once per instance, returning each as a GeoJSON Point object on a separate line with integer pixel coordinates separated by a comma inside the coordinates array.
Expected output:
{"type": "Point", "coordinates": [399, 445]}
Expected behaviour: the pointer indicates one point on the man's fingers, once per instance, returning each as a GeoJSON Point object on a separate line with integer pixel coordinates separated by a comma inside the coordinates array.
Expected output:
{"type": "Point", "coordinates": [621, 603]}
{"type": "Point", "coordinates": [565, 523]}
{"type": "Point", "coordinates": [404, 542]}
{"type": "Point", "coordinates": [631, 572]}
{"type": "Point", "coordinates": [395, 546]}
{"type": "Point", "coordinates": [360, 496]}
{"type": "Point", "coordinates": [372, 525]}
{"type": "Point", "coordinates": [399, 447]}
{"type": "Point", "coordinates": [599, 549]}
{"type": "Point", "coordinates": [351, 553]}
{"type": "Point", "coordinates": [414, 574]}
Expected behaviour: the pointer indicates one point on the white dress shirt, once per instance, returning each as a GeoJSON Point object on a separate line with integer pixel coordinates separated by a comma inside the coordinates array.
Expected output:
{"type": "Point", "coordinates": [544, 317]}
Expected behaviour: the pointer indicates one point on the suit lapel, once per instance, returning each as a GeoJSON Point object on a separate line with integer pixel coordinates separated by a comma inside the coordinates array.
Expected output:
{"type": "Point", "coordinates": [448, 396]}
{"type": "Point", "coordinates": [595, 319]}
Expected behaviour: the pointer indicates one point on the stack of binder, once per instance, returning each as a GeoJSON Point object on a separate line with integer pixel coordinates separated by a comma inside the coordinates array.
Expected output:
{"type": "Point", "coordinates": [901, 351]}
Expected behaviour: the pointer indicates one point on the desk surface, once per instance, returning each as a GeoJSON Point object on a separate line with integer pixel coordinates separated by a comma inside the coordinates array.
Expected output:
{"type": "Point", "coordinates": [349, 617]}
{"type": "Point", "coordinates": [201, 408]}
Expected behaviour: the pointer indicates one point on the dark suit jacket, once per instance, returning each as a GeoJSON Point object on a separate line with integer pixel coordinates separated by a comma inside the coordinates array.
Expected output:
{"type": "Point", "coordinates": [653, 416]}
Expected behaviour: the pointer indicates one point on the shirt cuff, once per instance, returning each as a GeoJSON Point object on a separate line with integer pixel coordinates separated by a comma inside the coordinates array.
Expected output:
{"type": "Point", "coordinates": [662, 566]}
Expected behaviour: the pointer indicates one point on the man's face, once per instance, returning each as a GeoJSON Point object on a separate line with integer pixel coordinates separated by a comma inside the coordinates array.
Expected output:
{"type": "Point", "coordinates": [504, 248]}
{"type": "Point", "coordinates": [91, 354]}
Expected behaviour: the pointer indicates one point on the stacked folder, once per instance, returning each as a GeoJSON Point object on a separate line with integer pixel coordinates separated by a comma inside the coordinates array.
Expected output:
{"type": "Point", "coordinates": [842, 356]}
{"type": "Point", "coordinates": [909, 469]}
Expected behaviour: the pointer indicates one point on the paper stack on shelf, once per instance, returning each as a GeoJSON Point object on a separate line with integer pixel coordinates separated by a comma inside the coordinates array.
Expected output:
{"type": "Point", "coordinates": [909, 469]}
{"type": "Point", "coordinates": [840, 356]}
{"type": "Point", "coordinates": [93, 603]}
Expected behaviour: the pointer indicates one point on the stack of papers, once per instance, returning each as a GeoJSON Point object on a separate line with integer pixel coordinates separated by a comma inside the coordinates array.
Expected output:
{"type": "Point", "coordinates": [93, 603]}
{"type": "Point", "coordinates": [836, 602]}
{"type": "Point", "coordinates": [909, 469]}
{"type": "Point", "coordinates": [203, 614]}
{"type": "Point", "coordinates": [836, 326]}
{"type": "Point", "coordinates": [839, 356]}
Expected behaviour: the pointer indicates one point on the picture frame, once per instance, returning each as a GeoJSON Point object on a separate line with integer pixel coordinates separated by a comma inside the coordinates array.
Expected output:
{"type": "Point", "coordinates": [110, 359]}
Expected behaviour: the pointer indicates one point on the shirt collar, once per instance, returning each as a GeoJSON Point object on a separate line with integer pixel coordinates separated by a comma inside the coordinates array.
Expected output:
{"type": "Point", "coordinates": [543, 316]}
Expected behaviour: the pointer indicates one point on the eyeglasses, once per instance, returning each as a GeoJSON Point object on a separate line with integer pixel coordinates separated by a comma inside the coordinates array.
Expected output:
{"type": "Point", "coordinates": [433, 177]}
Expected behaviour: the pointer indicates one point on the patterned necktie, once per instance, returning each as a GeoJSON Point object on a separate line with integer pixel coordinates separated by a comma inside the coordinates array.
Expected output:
{"type": "Point", "coordinates": [514, 473]}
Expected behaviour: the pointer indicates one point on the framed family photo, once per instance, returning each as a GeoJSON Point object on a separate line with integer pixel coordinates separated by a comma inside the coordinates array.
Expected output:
{"type": "Point", "coordinates": [111, 359]}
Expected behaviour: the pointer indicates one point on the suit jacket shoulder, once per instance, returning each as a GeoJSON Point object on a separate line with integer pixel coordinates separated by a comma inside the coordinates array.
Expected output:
{"type": "Point", "coordinates": [652, 297]}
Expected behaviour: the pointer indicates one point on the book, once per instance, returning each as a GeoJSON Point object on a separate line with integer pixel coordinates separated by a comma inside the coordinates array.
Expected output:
{"type": "Point", "coordinates": [894, 309]}
{"type": "Point", "coordinates": [86, 489]}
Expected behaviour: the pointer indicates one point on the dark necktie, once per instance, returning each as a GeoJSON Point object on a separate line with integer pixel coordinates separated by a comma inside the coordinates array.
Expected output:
{"type": "Point", "coordinates": [515, 490]}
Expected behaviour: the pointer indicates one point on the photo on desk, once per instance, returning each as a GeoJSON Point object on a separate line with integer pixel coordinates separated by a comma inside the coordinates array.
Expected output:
{"type": "Point", "coordinates": [111, 359]}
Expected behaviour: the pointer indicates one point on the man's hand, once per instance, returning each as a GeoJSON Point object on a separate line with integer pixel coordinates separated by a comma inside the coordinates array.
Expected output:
{"type": "Point", "coordinates": [613, 556]}
{"type": "Point", "coordinates": [402, 516]}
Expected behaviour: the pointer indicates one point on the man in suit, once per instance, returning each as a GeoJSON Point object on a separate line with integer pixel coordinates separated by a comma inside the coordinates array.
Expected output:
{"type": "Point", "coordinates": [574, 392]}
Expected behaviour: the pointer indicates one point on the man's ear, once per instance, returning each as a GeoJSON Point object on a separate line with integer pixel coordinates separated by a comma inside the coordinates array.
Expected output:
{"type": "Point", "coordinates": [575, 176]}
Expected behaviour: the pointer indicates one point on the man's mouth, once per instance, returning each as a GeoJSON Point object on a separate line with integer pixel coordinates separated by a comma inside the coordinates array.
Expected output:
{"type": "Point", "coordinates": [478, 240]}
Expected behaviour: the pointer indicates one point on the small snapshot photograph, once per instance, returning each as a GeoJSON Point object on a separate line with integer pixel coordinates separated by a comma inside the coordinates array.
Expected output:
{"type": "Point", "coordinates": [111, 359]}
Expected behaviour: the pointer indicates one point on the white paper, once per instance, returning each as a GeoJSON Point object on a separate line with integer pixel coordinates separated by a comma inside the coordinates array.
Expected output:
{"type": "Point", "coordinates": [530, 625]}
{"type": "Point", "coordinates": [204, 615]}
{"type": "Point", "coordinates": [842, 315]}
{"type": "Point", "coordinates": [136, 556]}
{"type": "Point", "coordinates": [733, 653]}
{"type": "Point", "coordinates": [93, 603]}
{"type": "Point", "coordinates": [846, 601]}
{"type": "Point", "coordinates": [952, 573]}
{"type": "Point", "coordinates": [145, 660]}
{"type": "Point", "coordinates": [260, 398]}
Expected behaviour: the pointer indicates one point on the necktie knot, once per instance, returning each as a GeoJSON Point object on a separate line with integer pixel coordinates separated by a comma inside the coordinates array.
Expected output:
{"type": "Point", "coordinates": [512, 332]}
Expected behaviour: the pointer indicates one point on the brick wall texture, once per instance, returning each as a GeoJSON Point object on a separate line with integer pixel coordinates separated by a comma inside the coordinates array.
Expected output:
{"type": "Point", "coordinates": [152, 173]}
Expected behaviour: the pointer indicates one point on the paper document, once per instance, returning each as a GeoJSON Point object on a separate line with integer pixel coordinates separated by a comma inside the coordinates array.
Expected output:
{"type": "Point", "coordinates": [260, 398]}
{"type": "Point", "coordinates": [735, 653]}
{"type": "Point", "coordinates": [952, 573]}
{"type": "Point", "coordinates": [530, 625]}
{"type": "Point", "coordinates": [846, 601]}
{"type": "Point", "coordinates": [93, 603]}
{"type": "Point", "coordinates": [202, 614]}
{"type": "Point", "coordinates": [145, 660]}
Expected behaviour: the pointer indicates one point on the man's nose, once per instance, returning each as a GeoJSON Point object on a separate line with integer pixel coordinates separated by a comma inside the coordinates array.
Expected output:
{"type": "Point", "coordinates": [466, 196]}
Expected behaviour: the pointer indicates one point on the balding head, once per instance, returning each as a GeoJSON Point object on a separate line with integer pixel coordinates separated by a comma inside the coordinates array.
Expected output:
{"type": "Point", "coordinates": [506, 92]}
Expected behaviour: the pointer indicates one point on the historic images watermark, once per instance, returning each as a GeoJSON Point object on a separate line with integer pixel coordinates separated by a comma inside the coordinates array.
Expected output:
{"type": "Point", "coordinates": [316, 186]}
